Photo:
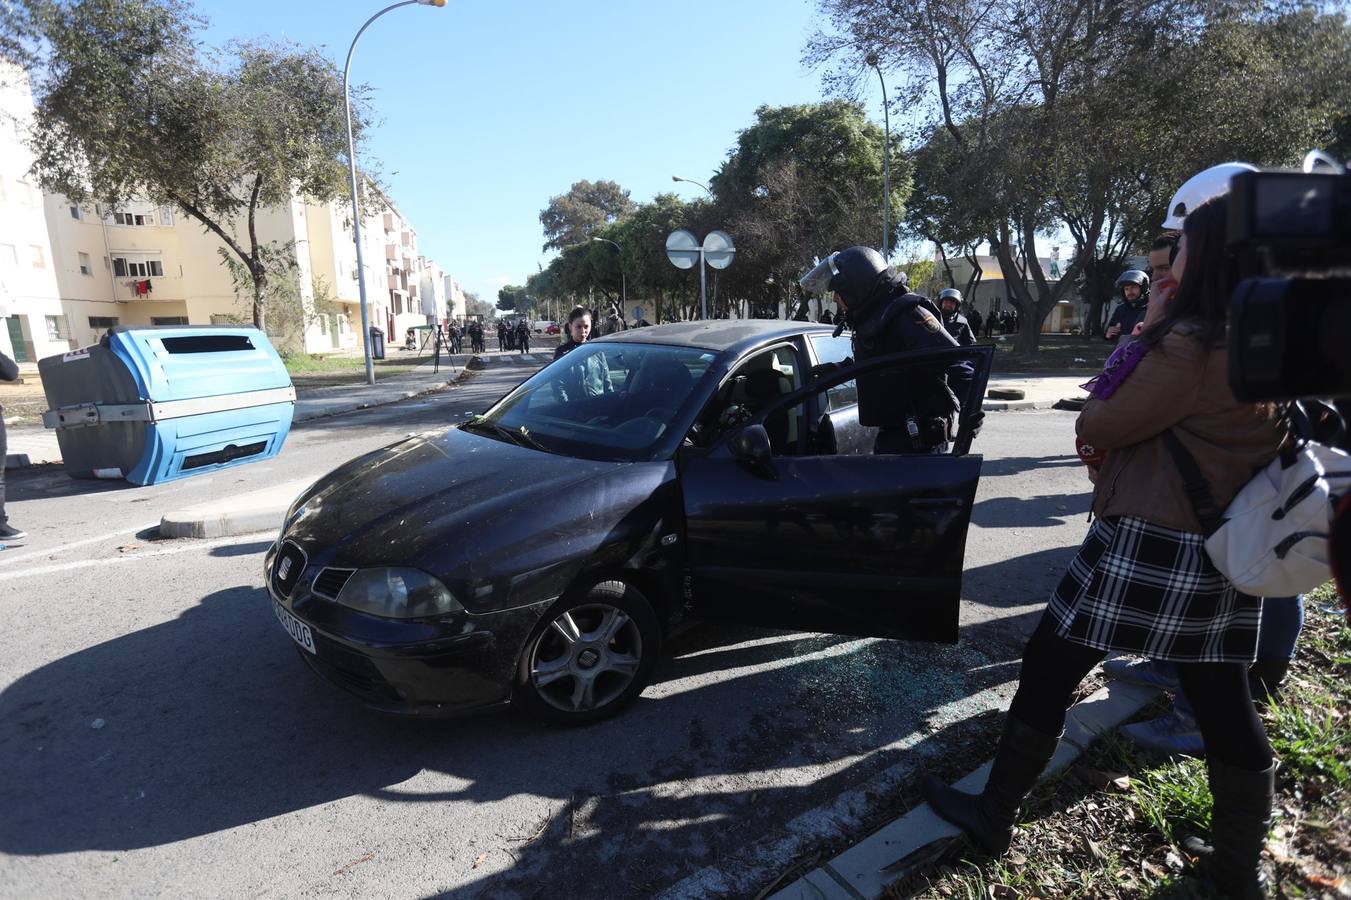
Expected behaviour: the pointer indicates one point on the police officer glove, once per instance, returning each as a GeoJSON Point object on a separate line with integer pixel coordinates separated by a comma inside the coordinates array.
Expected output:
{"type": "Point", "coordinates": [976, 420]}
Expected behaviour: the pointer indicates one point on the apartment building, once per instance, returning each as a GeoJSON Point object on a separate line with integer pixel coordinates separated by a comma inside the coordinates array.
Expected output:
{"type": "Point", "coordinates": [71, 271]}
{"type": "Point", "coordinates": [32, 322]}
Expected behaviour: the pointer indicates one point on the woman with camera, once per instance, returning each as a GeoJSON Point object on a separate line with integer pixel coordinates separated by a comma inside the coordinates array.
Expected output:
{"type": "Point", "coordinates": [1142, 582]}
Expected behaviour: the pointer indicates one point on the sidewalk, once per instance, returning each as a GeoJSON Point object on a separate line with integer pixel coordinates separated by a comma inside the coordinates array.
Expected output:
{"type": "Point", "coordinates": [32, 446]}
{"type": "Point", "coordinates": [1040, 391]}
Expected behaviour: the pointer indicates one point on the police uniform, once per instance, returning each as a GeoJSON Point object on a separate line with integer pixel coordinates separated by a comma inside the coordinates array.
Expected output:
{"type": "Point", "coordinates": [914, 412]}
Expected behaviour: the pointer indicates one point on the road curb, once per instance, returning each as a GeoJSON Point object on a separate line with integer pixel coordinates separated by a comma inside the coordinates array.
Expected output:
{"type": "Point", "coordinates": [246, 514]}
{"type": "Point", "coordinates": [356, 406]}
{"type": "Point", "coordinates": [896, 850]}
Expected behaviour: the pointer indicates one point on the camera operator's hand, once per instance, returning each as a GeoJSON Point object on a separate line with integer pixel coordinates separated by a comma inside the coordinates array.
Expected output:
{"type": "Point", "coordinates": [1114, 332]}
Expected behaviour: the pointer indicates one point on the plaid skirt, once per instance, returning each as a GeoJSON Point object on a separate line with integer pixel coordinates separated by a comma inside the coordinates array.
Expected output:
{"type": "Point", "coordinates": [1136, 587]}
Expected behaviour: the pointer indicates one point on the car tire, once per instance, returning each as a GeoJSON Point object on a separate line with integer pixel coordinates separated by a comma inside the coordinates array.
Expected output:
{"type": "Point", "coordinates": [1005, 394]}
{"type": "Point", "coordinates": [569, 673]}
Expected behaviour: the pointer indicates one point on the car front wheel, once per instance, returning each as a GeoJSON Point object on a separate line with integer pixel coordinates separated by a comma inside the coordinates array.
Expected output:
{"type": "Point", "coordinates": [589, 655]}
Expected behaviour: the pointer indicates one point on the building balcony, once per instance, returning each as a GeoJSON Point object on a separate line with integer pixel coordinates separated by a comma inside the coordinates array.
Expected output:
{"type": "Point", "coordinates": [391, 251]}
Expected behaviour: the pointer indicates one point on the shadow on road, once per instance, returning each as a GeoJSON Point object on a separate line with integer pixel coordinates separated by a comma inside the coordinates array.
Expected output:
{"type": "Point", "coordinates": [209, 721]}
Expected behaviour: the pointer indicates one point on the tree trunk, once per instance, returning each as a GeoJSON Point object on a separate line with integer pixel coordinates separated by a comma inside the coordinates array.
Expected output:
{"type": "Point", "coordinates": [259, 300]}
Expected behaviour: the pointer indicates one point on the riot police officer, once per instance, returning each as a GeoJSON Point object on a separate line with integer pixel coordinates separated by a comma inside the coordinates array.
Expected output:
{"type": "Point", "coordinates": [916, 414]}
{"type": "Point", "coordinates": [949, 301]}
{"type": "Point", "coordinates": [1134, 287]}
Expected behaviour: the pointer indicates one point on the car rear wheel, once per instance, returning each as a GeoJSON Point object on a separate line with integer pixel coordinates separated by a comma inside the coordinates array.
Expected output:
{"type": "Point", "coordinates": [589, 656]}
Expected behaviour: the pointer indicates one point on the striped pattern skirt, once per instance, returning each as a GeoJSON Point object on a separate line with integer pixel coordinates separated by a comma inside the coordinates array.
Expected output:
{"type": "Point", "coordinates": [1136, 587]}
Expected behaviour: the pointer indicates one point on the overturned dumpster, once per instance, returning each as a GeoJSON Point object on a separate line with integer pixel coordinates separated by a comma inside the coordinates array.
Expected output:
{"type": "Point", "coordinates": [152, 404]}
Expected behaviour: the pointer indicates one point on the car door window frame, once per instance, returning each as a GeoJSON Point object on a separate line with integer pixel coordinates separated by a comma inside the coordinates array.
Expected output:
{"type": "Point", "coordinates": [981, 354]}
{"type": "Point", "coordinates": [801, 354]}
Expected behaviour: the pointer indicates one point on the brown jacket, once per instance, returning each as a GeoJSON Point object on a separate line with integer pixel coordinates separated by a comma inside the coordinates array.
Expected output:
{"type": "Point", "coordinates": [1184, 386]}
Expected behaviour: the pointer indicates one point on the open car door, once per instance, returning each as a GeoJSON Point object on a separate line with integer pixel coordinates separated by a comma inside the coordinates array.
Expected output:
{"type": "Point", "coordinates": [805, 537]}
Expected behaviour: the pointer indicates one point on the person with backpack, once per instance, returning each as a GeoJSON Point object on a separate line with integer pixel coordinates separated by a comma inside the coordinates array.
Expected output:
{"type": "Point", "coordinates": [1142, 581]}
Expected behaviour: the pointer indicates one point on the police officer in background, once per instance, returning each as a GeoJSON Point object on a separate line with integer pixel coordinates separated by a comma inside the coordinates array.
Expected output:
{"type": "Point", "coordinates": [1134, 287]}
{"type": "Point", "coordinates": [949, 301]}
{"type": "Point", "coordinates": [916, 415]}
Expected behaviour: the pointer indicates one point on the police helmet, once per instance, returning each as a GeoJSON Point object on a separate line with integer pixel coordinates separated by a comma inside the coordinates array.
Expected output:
{"type": "Point", "coordinates": [1204, 185]}
{"type": "Point", "coordinates": [950, 293]}
{"type": "Point", "coordinates": [853, 273]}
{"type": "Point", "coordinates": [1133, 276]}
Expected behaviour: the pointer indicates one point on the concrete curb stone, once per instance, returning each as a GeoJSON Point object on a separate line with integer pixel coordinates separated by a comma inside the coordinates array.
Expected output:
{"type": "Point", "coordinates": [865, 870]}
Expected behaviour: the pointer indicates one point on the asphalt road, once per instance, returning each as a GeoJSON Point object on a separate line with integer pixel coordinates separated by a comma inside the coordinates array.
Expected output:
{"type": "Point", "coordinates": [159, 736]}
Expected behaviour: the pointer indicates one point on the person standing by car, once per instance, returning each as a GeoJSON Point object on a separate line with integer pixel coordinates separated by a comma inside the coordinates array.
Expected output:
{"type": "Point", "coordinates": [886, 317]}
{"type": "Point", "coordinates": [976, 320]}
{"type": "Point", "coordinates": [523, 337]}
{"type": "Point", "coordinates": [949, 301]}
{"type": "Point", "coordinates": [1142, 582]}
{"type": "Point", "coordinates": [589, 378]}
{"type": "Point", "coordinates": [9, 371]}
{"type": "Point", "coordinates": [1134, 287]}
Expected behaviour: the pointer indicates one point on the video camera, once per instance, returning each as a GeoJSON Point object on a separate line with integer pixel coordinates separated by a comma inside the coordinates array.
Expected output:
{"type": "Point", "coordinates": [1289, 332]}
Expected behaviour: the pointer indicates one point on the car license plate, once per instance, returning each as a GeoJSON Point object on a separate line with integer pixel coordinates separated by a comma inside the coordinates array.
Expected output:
{"type": "Point", "coordinates": [298, 630]}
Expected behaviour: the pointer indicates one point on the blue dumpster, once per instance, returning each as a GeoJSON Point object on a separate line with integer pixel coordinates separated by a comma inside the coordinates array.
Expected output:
{"type": "Point", "coordinates": [158, 403]}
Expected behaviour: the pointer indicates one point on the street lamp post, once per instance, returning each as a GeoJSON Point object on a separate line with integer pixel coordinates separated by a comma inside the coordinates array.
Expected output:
{"type": "Point", "coordinates": [352, 171]}
{"type": "Point", "coordinates": [873, 61]}
{"type": "Point", "coordinates": [693, 182]}
{"type": "Point", "coordinates": [623, 281]}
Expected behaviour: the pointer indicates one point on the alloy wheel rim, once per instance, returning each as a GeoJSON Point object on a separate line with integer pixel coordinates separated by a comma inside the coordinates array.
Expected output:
{"type": "Point", "coordinates": [586, 657]}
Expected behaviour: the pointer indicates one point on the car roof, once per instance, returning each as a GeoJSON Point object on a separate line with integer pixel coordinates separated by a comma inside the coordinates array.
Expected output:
{"type": "Point", "coordinates": [718, 334]}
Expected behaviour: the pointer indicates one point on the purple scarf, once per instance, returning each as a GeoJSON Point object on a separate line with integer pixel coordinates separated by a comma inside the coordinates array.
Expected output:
{"type": "Point", "coordinates": [1119, 367]}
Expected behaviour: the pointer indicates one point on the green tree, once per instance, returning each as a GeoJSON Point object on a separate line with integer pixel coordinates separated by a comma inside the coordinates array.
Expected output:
{"type": "Point", "coordinates": [571, 218]}
{"type": "Point", "coordinates": [128, 108]}
{"type": "Point", "coordinates": [513, 298]}
{"type": "Point", "coordinates": [803, 181]}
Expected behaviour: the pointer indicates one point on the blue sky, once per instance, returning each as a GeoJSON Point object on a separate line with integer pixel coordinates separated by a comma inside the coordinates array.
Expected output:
{"type": "Point", "coordinates": [489, 109]}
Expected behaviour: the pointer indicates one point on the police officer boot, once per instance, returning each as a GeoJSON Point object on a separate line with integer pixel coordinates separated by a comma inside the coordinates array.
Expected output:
{"type": "Point", "coordinates": [1240, 819]}
{"type": "Point", "coordinates": [988, 817]}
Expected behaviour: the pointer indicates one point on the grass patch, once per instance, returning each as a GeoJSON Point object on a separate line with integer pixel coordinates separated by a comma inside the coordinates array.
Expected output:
{"type": "Point", "coordinates": [315, 370]}
{"type": "Point", "coordinates": [1070, 353]}
{"type": "Point", "coordinates": [1112, 825]}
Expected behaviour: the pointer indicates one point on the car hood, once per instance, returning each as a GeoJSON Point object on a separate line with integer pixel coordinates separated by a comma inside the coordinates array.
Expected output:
{"type": "Point", "coordinates": [500, 524]}
{"type": "Point", "coordinates": [387, 504]}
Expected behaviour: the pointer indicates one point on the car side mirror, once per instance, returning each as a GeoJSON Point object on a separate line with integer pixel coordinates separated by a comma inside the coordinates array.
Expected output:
{"type": "Point", "coordinates": [751, 445]}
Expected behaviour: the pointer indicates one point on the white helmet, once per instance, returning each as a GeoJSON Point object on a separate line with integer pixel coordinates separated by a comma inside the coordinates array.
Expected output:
{"type": "Point", "coordinates": [1204, 185]}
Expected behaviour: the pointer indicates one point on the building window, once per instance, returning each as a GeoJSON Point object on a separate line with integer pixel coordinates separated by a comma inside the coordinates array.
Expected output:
{"type": "Point", "coordinates": [26, 195]}
{"type": "Point", "coordinates": [129, 267]}
{"type": "Point", "coordinates": [133, 219]}
{"type": "Point", "coordinates": [86, 264]}
{"type": "Point", "coordinates": [168, 320]}
{"type": "Point", "coordinates": [56, 328]}
{"type": "Point", "coordinates": [166, 216]}
{"type": "Point", "coordinates": [39, 258]}
{"type": "Point", "coordinates": [75, 212]}
{"type": "Point", "coordinates": [102, 321]}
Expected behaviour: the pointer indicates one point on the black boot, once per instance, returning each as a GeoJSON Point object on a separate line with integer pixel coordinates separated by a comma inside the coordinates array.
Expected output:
{"type": "Point", "coordinates": [987, 818]}
{"type": "Point", "coordinates": [1240, 822]}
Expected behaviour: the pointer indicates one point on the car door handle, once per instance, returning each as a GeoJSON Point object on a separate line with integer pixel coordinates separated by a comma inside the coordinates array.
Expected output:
{"type": "Point", "coordinates": [937, 502]}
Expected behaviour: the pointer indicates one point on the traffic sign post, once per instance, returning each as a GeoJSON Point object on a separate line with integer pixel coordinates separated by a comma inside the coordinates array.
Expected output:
{"type": "Point", "coordinates": [684, 250]}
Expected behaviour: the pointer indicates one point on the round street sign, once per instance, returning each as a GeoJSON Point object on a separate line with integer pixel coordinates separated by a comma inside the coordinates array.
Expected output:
{"type": "Point", "coordinates": [718, 249]}
{"type": "Point", "coordinates": [682, 249]}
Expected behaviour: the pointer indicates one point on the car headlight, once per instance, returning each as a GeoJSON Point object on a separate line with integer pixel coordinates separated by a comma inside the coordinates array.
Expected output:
{"type": "Point", "coordinates": [397, 593]}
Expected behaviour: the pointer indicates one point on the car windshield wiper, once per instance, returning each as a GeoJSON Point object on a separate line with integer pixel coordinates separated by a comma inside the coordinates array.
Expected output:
{"type": "Point", "coordinates": [516, 436]}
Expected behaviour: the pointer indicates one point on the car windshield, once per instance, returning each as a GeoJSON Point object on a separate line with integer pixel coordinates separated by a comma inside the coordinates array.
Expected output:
{"type": "Point", "coordinates": [611, 401]}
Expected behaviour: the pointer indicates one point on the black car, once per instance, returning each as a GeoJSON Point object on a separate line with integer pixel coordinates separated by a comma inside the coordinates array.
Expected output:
{"type": "Point", "coordinates": [536, 553]}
